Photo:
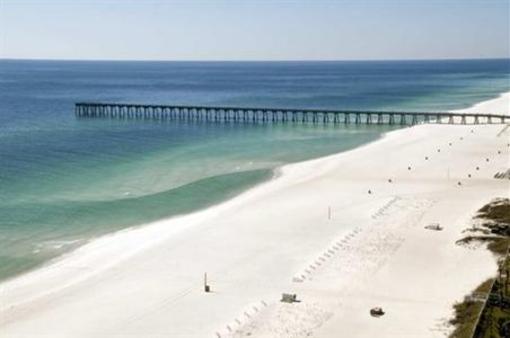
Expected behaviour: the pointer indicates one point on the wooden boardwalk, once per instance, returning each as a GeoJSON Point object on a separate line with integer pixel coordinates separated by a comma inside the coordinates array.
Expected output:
{"type": "Point", "coordinates": [276, 115]}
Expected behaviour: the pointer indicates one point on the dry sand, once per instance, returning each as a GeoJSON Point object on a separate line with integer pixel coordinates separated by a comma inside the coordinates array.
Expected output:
{"type": "Point", "coordinates": [276, 237]}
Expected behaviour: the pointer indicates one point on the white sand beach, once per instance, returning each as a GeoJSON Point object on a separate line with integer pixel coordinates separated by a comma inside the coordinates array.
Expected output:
{"type": "Point", "coordinates": [277, 237]}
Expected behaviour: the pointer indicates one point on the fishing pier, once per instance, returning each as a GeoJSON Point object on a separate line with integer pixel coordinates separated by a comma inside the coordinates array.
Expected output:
{"type": "Point", "coordinates": [277, 115]}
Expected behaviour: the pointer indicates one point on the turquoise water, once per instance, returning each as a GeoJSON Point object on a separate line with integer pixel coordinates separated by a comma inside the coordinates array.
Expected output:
{"type": "Point", "coordinates": [65, 181]}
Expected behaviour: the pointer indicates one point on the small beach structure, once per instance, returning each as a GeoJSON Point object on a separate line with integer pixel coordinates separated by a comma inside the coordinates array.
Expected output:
{"type": "Point", "coordinates": [289, 298]}
{"type": "Point", "coordinates": [376, 312]}
{"type": "Point", "coordinates": [207, 287]}
{"type": "Point", "coordinates": [434, 226]}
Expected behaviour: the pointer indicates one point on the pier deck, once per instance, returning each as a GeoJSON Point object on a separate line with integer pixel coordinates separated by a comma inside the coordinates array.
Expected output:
{"type": "Point", "coordinates": [275, 115]}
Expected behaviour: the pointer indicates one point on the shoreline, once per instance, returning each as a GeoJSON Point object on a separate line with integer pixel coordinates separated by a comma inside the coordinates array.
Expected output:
{"type": "Point", "coordinates": [276, 172]}
{"type": "Point", "coordinates": [499, 103]}
{"type": "Point", "coordinates": [26, 294]}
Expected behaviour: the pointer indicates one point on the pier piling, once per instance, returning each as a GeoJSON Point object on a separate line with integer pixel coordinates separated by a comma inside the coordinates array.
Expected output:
{"type": "Point", "coordinates": [269, 115]}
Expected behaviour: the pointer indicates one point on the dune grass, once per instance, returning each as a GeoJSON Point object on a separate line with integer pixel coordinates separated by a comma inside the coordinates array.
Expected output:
{"type": "Point", "coordinates": [485, 313]}
{"type": "Point", "coordinates": [467, 311]}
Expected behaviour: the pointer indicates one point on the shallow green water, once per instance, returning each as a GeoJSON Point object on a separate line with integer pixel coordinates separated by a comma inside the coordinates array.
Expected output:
{"type": "Point", "coordinates": [65, 181]}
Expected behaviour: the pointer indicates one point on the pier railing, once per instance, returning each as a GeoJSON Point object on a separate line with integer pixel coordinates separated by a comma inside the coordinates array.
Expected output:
{"type": "Point", "coordinates": [275, 115]}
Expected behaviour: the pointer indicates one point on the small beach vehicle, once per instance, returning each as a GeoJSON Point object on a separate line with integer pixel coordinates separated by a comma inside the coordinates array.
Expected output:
{"type": "Point", "coordinates": [376, 312]}
{"type": "Point", "coordinates": [289, 298]}
{"type": "Point", "coordinates": [434, 226]}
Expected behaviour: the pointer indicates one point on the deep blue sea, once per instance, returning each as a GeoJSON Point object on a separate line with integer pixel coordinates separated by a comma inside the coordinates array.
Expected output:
{"type": "Point", "coordinates": [65, 181]}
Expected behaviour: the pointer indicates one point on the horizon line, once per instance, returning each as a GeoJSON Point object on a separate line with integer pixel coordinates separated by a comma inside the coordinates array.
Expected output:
{"type": "Point", "coordinates": [256, 60]}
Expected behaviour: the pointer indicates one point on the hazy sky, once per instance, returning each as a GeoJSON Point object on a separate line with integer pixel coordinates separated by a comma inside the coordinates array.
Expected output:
{"type": "Point", "coordinates": [254, 30]}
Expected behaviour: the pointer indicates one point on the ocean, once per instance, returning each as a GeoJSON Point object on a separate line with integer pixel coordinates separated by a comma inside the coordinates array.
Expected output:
{"type": "Point", "coordinates": [65, 181]}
